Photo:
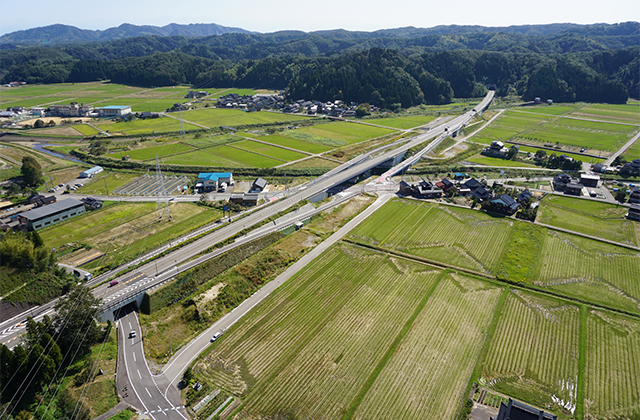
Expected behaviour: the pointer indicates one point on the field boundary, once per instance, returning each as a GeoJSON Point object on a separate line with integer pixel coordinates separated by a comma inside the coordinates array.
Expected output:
{"type": "Point", "coordinates": [391, 350]}
{"type": "Point", "coordinates": [582, 362]}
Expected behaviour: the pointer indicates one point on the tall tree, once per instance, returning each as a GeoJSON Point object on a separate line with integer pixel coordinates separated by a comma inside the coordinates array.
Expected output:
{"type": "Point", "coordinates": [31, 171]}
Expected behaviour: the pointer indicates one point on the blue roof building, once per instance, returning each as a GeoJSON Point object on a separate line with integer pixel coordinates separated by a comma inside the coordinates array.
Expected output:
{"type": "Point", "coordinates": [209, 181]}
{"type": "Point", "coordinates": [114, 111]}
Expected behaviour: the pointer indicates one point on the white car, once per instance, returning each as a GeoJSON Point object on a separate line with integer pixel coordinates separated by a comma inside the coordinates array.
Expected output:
{"type": "Point", "coordinates": [216, 336]}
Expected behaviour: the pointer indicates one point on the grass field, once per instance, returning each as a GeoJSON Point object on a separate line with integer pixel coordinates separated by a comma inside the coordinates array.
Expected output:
{"type": "Point", "coordinates": [592, 218]}
{"type": "Point", "coordinates": [203, 157]}
{"type": "Point", "coordinates": [547, 110]}
{"type": "Point", "coordinates": [153, 151]}
{"type": "Point", "coordinates": [314, 163]}
{"type": "Point", "coordinates": [113, 180]}
{"type": "Point", "coordinates": [508, 125]}
{"type": "Point", "coordinates": [318, 329]}
{"type": "Point", "coordinates": [455, 236]}
{"type": "Point", "coordinates": [534, 353]}
{"type": "Point", "coordinates": [86, 129]}
{"type": "Point", "coordinates": [122, 230]}
{"type": "Point", "coordinates": [268, 150]}
{"type": "Point", "coordinates": [521, 256]}
{"type": "Point", "coordinates": [612, 371]}
{"type": "Point", "coordinates": [436, 357]}
{"type": "Point", "coordinates": [245, 158]}
{"type": "Point", "coordinates": [576, 156]}
{"type": "Point", "coordinates": [402, 123]}
{"type": "Point", "coordinates": [492, 161]}
{"type": "Point", "coordinates": [215, 117]}
{"type": "Point", "coordinates": [304, 146]}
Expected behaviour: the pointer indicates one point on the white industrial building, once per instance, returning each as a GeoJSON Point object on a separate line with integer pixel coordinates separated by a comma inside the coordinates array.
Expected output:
{"type": "Point", "coordinates": [90, 173]}
{"type": "Point", "coordinates": [114, 111]}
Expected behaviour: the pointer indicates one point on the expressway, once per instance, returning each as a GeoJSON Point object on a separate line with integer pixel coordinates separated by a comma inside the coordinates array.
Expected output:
{"type": "Point", "coordinates": [165, 268]}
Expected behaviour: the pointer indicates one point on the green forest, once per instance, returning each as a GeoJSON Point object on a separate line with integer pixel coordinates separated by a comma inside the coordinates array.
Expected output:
{"type": "Point", "coordinates": [596, 63]}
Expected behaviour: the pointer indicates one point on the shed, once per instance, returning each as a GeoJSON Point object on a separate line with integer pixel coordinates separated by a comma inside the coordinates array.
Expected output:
{"type": "Point", "coordinates": [590, 180]}
{"type": "Point", "coordinates": [90, 173]}
{"type": "Point", "coordinates": [515, 410]}
{"type": "Point", "coordinates": [258, 185]}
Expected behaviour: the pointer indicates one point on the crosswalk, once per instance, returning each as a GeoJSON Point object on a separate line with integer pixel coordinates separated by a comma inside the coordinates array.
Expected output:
{"type": "Point", "coordinates": [163, 410]}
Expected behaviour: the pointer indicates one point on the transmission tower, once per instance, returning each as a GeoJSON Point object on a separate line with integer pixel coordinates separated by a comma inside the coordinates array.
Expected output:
{"type": "Point", "coordinates": [162, 192]}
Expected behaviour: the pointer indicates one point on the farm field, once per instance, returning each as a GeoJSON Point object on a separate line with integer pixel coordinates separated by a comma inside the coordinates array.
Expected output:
{"type": "Point", "coordinates": [153, 151]}
{"type": "Point", "coordinates": [402, 123]}
{"type": "Point", "coordinates": [521, 256]}
{"type": "Point", "coordinates": [245, 158]}
{"type": "Point", "coordinates": [546, 109]}
{"type": "Point", "coordinates": [590, 270]}
{"type": "Point", "coordinates": [508, 125]}
{"type": "Point", "coordinates": [613, 342]}
{"type": "Point", "coordinates": [205, 141]}
{"type": "Point", "coordinates": [592, 218]}
{"type": "Point", "coordinates": [86, 130]}
{"type": "Point", "coordinates": [535, 351]}
{"type": "Point", "coordinates": [268, 150]}
{"type": "Point", "coordinates": [203, 157]}
{"type": "Point", "coordinates": [455, 236]}
{"type": "Point", "coordinates": [148, 126]}
{"type": "Point", "coordinates": [95, 93]}
{"type": "Point", "coordinates": [584, 134]}
{"type": "Point", "coordinates": [345, 132]}
{"type": "Point", "coordinates": [123, 231]}
{"type": "Point", "coordinates": [304, 146]}
{"type": "Point", "coordinates": [318, 329]}
{"type": "Point", "coordinates": [215, 117]}
{"type": "Point", "coordinates": [437, 356]}
{"type": "Point", "coordinates": [617, 113]}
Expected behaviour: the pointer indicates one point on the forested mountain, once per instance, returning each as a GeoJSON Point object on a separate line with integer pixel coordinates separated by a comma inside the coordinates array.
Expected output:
{"type": "Point", "coordinates": [64, 34]}
{"type": "Point", "coordinates": [407, 66]}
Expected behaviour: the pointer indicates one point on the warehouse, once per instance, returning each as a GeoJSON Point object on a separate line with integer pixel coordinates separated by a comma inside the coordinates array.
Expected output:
{"type": "Point", "coordinates": [90, 173]}
{"type": "Point", "coordinates": [51, 214]}
{"type": "Point", "coordinates": [112, 111]}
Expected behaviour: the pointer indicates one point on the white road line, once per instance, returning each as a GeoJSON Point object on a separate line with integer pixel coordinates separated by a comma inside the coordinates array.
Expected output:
{"type": "Point", "coordinates": [140, 376]}
{"type": "Point", "coordinates": [147, 389]}
{"type": "Point", "coordinates": [129, 322]}
{"type": "Point", "coordinates": [163, 412]}
{"type": "Point", "coordinates": [134, 357]}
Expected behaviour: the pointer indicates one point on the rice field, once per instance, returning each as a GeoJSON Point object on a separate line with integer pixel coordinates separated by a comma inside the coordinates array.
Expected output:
{"type": "Point", "coordinates": [617, 113]}
{"type": "Point", "coordinates": [508, 125]}
{"type": "Point", "coordinates": [454, 236]}
{"type": "Point", "coordinates": [203, 157]}
{"type": "Point", "coordinates": [245, 158]}
{"type": "Point", "coordinates": [148, 126]}
{"type": "Point", "coordinates": [215, 117]}
{"type": "Point", "coordinates": [437, 356]}
{"type": "Point", "coordinates": [546, 109]}
{"type": "Point", "coordinates": [612, 372]}
{"type": "Point", "coordinates": [301, 145]}
{"type": "Point", "coordinates": [269, 151]}
{"type": "Point", "coordinates": [592, 218]}
{"type": "Point", "coordinates": [302, 353]}
{"type": "Point", "coordinates": [86, 129]}
{"type": "Point", "coordinates": [402, 123]}
{"type": "Point", "coordinates": [535, 352]}
{"type": "Point", "coordinates": [153, 151]}
{"type": "Point", "coordinates": [492, 161]}
{"type": "Point", "coordinates": [345, 132]}
{"type": "Point", "coordinates": [590, 270]}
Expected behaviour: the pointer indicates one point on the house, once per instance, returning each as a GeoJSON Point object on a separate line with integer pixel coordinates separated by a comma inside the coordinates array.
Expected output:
{"type": "Point", "coordinates": [405, 188]}
{"type": "Point", "coordinates": [72, 110]}
{"type": "Point", "coordinates": [426, 189]}
{"type": "Point", "coordinates": [445, 185]}
{"type": "Point", "coordinates": [632, 167]}
{"type": "Point", "coordinates": [114, 111]}
{"type": "Point", "coordinates": [496, 149]}
{"type": "Point", "coordinates": [634, 196]}
{"type": "Point", "coordinates": [599, 168]}
{"type": "Point", "coordinates": [51, 214]}
{"type": "Point", "coordinates": [90, 173]}
{"type": "Point", "coordinates": [211, 181]}
{"type": "Point", "coordinates": [249, 199]}
{"type": "Point", "coordinates": [481, 194]}
{"type": "Point", "coordinates": [590, 180]}
{"type": "Point", "coordinates": [458, 176]}
{"type": "Point", "coordinates": [504, 204]}
{"type": "Point", "coordinates": [258, 185]}
{"type": "Point", "coordinates": [573, 188]}
{"type": "Point", "coordinates": [472, 184]}
{"type": "Point", "coordinates": [92, 203]}
{"type": "Point", "coordinates": [515, 410]}
{"type": "Point", "coordinates": [634, 212]}
{"type": "Point", "coordinates": [560, 181]}
{"type": "Point", "coordinates": [39, 200]}
{"type": "Point", "coordinates": [236, 198]}
{"type": "Point", "coordinates": [523, 196]}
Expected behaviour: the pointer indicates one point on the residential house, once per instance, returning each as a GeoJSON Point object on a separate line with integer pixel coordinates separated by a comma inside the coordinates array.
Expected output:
{"type": "Point", "coordinates": [504, 204]}
{"type": "Point", "coordinates": [560, 181]}
{"type": "Point", "coordinates": [590, 180]}
{"type": "Point", "coordinates": [573, 188]}
{"type": "Point", "coordinates": [634, 212]}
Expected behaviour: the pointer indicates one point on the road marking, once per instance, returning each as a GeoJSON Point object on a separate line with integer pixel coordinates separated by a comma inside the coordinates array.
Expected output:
{"type": "Point", "coordinates": [163, 412]}
{"type": "Point", "coordinates": [140, 376]}
{"type": "Point", "coordinates": [134, 357]}
{"type": "Point", "coordinates": [130, 325]}
{"type": "Point", "coordinates": [147, 389]}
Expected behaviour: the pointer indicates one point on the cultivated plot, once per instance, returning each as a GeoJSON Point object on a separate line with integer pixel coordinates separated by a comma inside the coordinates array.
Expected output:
{"type": "Point", "coordinates": [215, 117]}
{"type": "Point", "coordinates": [584, 134]}
{"type": "Point", "coordinates": [508, 125]}
{"type": "Point", "coordinates": [429, 371]}
{"type": "Point", "coordinates": [402, 123]}
{"type": "Point", "coordinates": [629, 114]}
{"type": "Point", "coordinates": [612, 373]}
{"type": "Point", "coordinates": [269, 151]}
{"type": "Point", "coordinates": [546, 109]}
{"type": "Point", "coordinates": [148, 126]}
{"type": "Point", "coordinates": [590, 270]}
{"type": "Point", "coordinates": [153, 151]}
{"type": "Point", "coordinates": [535, 352]}
{"type": "Point", "coordinates": [244, 157]}
{"type": "Point", "coordinates": [454, 236]}
{"type": "Point", "coordinates": [592, 218]}
{"type": "Point", "coordinates": [309, 349]}
{"type": "Point", "coordinates": [345, 132]}
{"type": "Point", "coordinates": [301, 145]}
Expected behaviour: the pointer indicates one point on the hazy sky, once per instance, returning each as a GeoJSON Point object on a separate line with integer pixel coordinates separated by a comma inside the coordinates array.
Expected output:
{"type": "Point", "coordinates": [274, 15]}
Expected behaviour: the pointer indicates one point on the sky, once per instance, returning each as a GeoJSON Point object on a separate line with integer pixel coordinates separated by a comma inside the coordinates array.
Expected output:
{"type": "Point", "coordinates": [275, 15]}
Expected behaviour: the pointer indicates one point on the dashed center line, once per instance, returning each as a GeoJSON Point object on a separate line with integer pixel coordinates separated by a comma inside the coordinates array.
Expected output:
{"type": "Point", "coordinates": [134, 357]}
{"type": "Point", "coordinates": [147, 389]}
{"type": "Point", "coordinates": [140, 376]}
